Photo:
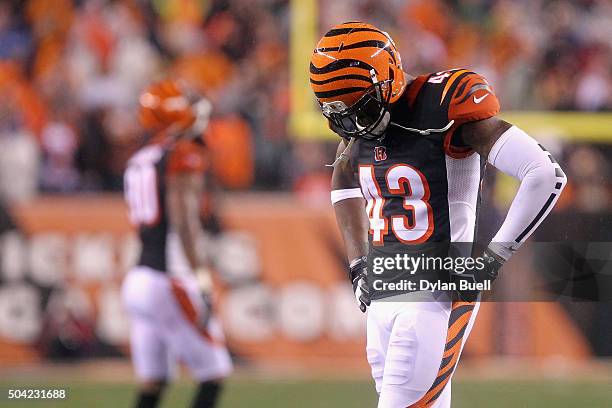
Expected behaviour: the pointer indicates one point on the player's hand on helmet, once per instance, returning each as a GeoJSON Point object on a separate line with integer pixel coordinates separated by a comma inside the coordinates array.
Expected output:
{"type": "Point", "coordinates": [492, 264]}
{"type": "Point", "coordinates": [205, 285]}
{"type": "Point", "coordinates": [358, 276]}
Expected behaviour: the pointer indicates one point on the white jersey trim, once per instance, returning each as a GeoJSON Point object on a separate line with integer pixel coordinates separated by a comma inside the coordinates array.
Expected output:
{"type": "Point", "coordinates": [345, 194]}
{"type": "Point", "coordinates": [463, 178]}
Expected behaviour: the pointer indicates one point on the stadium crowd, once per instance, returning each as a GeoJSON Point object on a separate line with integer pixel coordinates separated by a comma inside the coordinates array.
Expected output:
{"type": "Point", "coordinates": [71, 71]}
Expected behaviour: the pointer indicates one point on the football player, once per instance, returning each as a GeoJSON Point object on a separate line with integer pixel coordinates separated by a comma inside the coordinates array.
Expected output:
{"type": "Point", "coordinates": [171, 317]}
{"type": "Point", "coordinates": [408, 172]}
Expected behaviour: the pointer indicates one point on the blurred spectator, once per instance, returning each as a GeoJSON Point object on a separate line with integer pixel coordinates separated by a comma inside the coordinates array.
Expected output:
{"type": "Point", "coordinates": [18, 146]}
{"type": "Point", "coordinates": [585, 167]}
{"type": "Point", "coordinates": [15, 38]}
{"type": "Point", "coordinates": [71, 71]}
{"type": "Point", "coordinates": [58, 173]}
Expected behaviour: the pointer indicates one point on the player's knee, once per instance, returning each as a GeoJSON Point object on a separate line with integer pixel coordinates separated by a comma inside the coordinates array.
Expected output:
{"type": "Point", "coordinates": [377, 364]}
{"type": "Point", "coordinates": [401, 356]}
{"type": "Point", "coordinates": [398, 396]}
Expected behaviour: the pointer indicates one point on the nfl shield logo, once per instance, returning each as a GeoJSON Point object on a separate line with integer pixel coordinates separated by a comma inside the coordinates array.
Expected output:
{"type": "Point", "coordinates": [380, 153]}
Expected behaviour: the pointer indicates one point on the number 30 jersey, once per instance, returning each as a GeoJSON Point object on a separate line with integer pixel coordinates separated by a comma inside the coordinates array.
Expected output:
{"type": "Point", "coordinates": [145, 181]}
{"type": "Point", "coordinates": [424, 187]}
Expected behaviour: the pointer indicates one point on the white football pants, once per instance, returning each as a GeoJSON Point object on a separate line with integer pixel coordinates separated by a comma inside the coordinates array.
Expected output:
{"type": "Point", "coordinates": [164, 329]}
{"type": "Point", "coordinates": [413, 349]}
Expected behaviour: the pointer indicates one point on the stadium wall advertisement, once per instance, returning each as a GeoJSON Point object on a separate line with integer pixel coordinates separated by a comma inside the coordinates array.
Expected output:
{"type": "Point", "coordinates": [283, 294]}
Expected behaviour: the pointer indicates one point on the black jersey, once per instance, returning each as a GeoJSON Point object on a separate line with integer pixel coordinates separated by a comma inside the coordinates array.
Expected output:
{"type": "Point", "coordinates": [145, 193]}
{"type": "Point", "coordinates": [424, 187]}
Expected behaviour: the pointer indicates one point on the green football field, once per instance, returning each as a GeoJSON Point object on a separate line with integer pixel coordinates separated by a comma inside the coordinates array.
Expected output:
{"type": "Point", "coordinates": [336, 393]}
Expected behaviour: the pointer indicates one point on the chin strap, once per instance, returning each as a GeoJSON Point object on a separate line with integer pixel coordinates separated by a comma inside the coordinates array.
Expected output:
{"type": "Point", "coordinates": [344, 156]}
{"type": "Point", "coordinates": [426, 131]}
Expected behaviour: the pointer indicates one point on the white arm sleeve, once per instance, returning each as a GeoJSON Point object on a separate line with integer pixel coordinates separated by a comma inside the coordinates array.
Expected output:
{"type": "Point", "coordinates": [542, 180]}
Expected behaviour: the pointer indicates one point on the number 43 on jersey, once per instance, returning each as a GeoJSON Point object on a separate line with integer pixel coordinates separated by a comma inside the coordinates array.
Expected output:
{"type": "Point", "coordinates": [403, 182]}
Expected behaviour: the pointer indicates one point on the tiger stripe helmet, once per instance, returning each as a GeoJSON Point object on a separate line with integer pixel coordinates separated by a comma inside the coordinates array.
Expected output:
{"type": "Point", "coordinates": [355, 73]}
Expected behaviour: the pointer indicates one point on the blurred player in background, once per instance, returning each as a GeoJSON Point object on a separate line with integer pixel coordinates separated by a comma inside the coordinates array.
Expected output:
{"type": "Point", "coordinates": [171, 317]}
{"type": "Point", "coordinates": [409, 159]}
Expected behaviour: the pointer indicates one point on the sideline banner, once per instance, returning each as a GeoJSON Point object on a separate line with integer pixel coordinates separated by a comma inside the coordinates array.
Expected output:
{"type": "Point", "coordinates": [284, 296]}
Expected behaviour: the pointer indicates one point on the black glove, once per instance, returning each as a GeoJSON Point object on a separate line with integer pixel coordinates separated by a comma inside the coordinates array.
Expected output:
{"type": "Point", "coordinates": [358, 275]}
{"type": "Point", "coordinates": [492, 265]}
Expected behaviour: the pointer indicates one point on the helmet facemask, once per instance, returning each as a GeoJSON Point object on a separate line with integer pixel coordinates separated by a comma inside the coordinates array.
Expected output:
{"type": "Point", "coordinates": [367, 118]}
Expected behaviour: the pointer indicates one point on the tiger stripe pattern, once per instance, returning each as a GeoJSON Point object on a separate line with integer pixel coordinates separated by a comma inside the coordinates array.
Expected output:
{"type": "Point", "coordinates": [345, 58]}
{"type": "Point", "coordinates": [457, 326]}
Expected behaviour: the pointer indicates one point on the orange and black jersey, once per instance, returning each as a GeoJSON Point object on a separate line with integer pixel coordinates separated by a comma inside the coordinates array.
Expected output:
{"type": "Point", "coordinates": [458, 96]}
{"type": "Point", "coordinates": [145, 187]}
{"type": "Point", "coordinates": [424, 187]}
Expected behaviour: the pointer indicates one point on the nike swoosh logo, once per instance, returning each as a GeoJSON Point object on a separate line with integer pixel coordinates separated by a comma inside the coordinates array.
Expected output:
{"type": "Point", "coordinates": [478, 100]}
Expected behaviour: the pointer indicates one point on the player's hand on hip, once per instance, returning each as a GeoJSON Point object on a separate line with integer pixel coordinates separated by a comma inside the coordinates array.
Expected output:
{"type": "Point", "coordinates": [492, 264]}
{"type": "Point", "coordinates": [358, 276]}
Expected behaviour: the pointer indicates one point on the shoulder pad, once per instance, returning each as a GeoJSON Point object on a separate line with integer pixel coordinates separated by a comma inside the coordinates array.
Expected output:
{"type": "Point", "coordinates": [472, 99]}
